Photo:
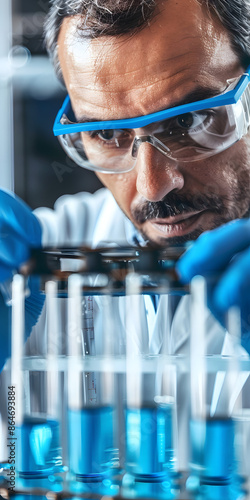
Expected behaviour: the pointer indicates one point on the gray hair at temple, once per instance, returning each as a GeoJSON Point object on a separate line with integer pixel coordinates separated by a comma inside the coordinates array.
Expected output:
{"type": "Point", "coordinates": [118, 17]}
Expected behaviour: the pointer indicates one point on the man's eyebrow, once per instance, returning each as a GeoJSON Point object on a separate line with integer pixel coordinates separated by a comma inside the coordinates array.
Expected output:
{"type": "Point", "coordinates": [88, 119]}
{"type": "Point", "coordinates": [197, 94]}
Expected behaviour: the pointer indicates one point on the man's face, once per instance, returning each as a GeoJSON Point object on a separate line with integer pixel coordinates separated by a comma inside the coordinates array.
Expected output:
{"type": "Point", "coordinates": [183, 50]}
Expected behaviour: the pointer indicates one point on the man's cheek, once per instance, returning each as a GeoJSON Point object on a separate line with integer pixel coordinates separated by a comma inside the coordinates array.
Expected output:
{"type": "Point", "coordinates": [212, 188]}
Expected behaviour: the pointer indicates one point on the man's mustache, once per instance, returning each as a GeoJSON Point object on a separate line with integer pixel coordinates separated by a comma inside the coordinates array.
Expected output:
{"type": "Point", "coordinates": [173, 204]}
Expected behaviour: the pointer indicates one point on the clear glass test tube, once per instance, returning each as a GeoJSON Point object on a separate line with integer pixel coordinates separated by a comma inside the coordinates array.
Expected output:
{"type": "Point", "coordinates": [90, 392]}
{"type": "Point", "coordinates": [238, 404]}
{"type": "Point", "coordinates": [54, 389]}
{"type": "Point", "coordinates": [17, 343]}
{"type": "Point", "coordinates": [38, 436]}
{"type": "Point", "coordinates": [150, 398]}
{"type": "Point", "coordinates": [212, 425]}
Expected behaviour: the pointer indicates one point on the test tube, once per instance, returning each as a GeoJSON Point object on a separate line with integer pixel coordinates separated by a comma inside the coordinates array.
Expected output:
{"type": "Point", "coordinates": [16, 388]}
{"type": "Point", "coordinates": [38, 444]}
{"type": "Point", "coordinates": [17, 341]}
{"type": "Point", "coordinates": [54, 376]}
{"type": "Point", "coordinates": [90, 393]}
{"type": "Point", "coordinates": [238, 388]}
{"type": "Point", "coordinates": [212, 427]}
{"type": "Point", "coordinates": [150, 400]}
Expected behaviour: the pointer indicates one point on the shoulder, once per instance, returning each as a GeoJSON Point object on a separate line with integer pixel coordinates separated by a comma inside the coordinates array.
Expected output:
{"type": "Point", "coordinates": [75, 218]}
{"type": "Point", "coordinates": [82, 199]}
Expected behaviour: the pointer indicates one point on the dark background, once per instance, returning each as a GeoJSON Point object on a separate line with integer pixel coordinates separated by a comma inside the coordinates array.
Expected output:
{"type": "Point", "coordinates": [42, 170]}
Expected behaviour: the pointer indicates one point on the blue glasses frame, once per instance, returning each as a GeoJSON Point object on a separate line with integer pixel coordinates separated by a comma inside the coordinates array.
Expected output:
{"type": "Point", "coordinates": [229, 97]}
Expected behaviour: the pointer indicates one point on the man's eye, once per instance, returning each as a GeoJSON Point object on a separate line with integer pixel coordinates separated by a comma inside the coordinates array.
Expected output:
{"type": "Point", "coordinates": [193, 120]}
{"type": "Point", "coordinates": [111, 138]}
{"type": "Point", "coordinates": [186, 121]}
{"type": "Point", "coordinates": [106, 135]}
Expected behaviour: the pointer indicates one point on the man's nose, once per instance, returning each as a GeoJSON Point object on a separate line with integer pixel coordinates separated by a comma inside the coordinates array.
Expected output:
{"type": "Point", "coordinates": [157, 175]}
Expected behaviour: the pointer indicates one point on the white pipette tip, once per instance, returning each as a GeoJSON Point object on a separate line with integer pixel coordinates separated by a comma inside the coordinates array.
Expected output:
{"type": "Point", "coordinates": [51, 288]}
{"type": "Point", "coordinates": [18, 297]}
{"type": "Point", "coordinates": [75, 283]}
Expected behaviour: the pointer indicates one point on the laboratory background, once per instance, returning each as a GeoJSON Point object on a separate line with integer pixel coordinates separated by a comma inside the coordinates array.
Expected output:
{"type": "Point", "coordinates": [30, 97]}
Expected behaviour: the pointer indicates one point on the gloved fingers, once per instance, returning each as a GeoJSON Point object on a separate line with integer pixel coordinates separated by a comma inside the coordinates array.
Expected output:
{"type": "Point", "coordinates": [19, 231]}
{"type": "Point", "coordinates": [34, 284]}
{"type": "Point", "coordinates": [33, 303]}
{"type": "Point", "coordinates": [233, 287]}
{"type": "Point", "coordinates": [13, 252]}
{"type": "Point", "coordinates": [16, 217]}
{"type": "Point", "coordinates": [214, 249]}
{"type": "Point", "coordinates": [6, 272]}
{"type": "Point", "coordinates": [33, 308]}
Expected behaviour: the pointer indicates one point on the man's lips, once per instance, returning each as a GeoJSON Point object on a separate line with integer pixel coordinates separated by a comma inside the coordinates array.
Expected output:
{"type": "Point", "coordinates": [176, 225]}
{"type": "Point", "coordinates": [175, 218]}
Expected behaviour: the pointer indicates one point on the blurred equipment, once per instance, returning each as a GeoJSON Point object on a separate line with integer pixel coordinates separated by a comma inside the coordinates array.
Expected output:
{"type": "Point", "coordinates": [42, 171]}
{"type": "Point", "coordinates": [6, 135]}
{"type": "Point", "coordinates": [105, 403]}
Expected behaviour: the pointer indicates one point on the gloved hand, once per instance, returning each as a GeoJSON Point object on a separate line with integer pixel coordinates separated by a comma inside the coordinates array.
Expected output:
{"type": "Point", "coordinates": [223, 256]}
{"type": "Point", "coordinates": [20, 230]}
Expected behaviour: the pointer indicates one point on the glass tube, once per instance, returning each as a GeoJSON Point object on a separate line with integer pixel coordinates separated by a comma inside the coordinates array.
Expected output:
{"type": "Point", "coordinates": [90, 390]}
{"type": "Point", "coordinates": [37, 419]}
{"type": "Point", "coordinates": [150, 394]}
{"type": "Point", "coordinates": [212, 426]}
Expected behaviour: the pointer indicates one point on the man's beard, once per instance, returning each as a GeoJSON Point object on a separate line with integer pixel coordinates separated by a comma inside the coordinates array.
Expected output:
{"type": "Point", "coordinates": [174, 204]}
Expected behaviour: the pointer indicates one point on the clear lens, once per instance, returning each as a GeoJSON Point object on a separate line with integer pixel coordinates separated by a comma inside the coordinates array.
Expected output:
{"type": "Point", "coordinates": [187, 137]}
{"type": "Point", "coordinates": [90, 154]}
{"type": "Point", "coordinates": [199, 134]}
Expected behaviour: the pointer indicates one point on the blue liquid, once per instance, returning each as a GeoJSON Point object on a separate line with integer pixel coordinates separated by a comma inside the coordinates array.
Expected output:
{"type": "Point", "coordinates": [38, 447]}
{"type": "Point", "coordinates": [212, 454]}
{"type": "Point", "coordinates": [149, 441]}
{"type": "Point", "coordinates": [50, 483]}
{"type": "Point", "coordinates": [162, 489]}
{"type": "Point", "coordinates": [91, 443]}
{"type": "Point", "coordinates": [222, 492]}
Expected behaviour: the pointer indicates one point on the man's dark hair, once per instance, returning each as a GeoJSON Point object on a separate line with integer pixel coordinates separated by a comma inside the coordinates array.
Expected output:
{"type": "Point", "coordinates": [118, 17]}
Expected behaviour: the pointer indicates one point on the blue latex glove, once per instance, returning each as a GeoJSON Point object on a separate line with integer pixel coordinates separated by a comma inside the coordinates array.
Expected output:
{"type": "Point", "coordinates": [20, 230]}
{"type": "Point", "coordinates": [223, 256]}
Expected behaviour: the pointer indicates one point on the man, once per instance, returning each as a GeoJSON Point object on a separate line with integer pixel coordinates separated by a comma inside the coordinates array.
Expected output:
{"type": "Point", "coordinates": [128, 59]}
{"type": "Point", "coordinates": [171, 176]}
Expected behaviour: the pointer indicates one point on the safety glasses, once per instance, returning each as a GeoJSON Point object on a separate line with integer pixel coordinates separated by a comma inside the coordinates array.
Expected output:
{"type": "Point", "coordinates": [185, 133]}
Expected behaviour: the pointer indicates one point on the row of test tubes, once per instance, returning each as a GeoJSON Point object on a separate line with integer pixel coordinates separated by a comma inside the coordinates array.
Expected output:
{"type": "Point", "coordinates": [102, 411]}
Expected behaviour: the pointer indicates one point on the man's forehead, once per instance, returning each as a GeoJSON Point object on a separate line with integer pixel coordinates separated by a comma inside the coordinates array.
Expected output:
{"type": "Point", "coordinates": [164, 61]}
